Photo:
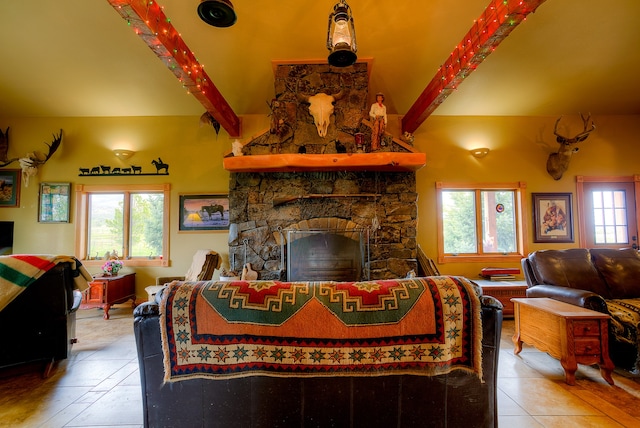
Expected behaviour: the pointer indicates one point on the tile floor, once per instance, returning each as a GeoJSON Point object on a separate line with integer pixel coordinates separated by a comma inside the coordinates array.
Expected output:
{"type": "Point", "coordinates": [99, 386]}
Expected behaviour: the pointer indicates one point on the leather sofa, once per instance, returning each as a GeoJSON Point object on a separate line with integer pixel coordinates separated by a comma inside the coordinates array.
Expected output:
{"type": "Point", "coordinates": [455, 399]}
{"type": "Point", "coordinates": [39, 324]}
{"type": "Point", "coordinates": [604, 280]}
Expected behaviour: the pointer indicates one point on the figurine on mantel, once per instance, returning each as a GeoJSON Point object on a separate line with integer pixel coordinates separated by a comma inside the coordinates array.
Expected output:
{"type": "Point", "coordinates": [236, 147]}
{"type": "Point", "coordinates": [378, 115]}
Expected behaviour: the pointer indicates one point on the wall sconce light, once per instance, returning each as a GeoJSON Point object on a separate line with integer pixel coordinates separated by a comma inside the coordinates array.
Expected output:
{"type": "Point", "coordinates": [479, 152]}
{"type": "Point", "coordinates": [123, 154]}
{"type": "Point", "coordinates": [341, 36]}
{"type": "Point", "coordinates": [218, 13]}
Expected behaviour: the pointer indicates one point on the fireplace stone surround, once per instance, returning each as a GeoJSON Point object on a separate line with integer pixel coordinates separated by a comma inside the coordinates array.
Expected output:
{"type": "Point", "coordinates": [263, 205]}
{"type": "Point", "coordinates": [258, 227]}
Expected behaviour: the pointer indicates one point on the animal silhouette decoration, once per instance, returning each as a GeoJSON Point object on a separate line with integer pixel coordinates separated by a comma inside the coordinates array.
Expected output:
{"type": "Point", "coordinates": [558, 162]}
{"type": "Point", "coordinates": [106, 170]}
{"type": "Point", "coordinates": [160, 166]}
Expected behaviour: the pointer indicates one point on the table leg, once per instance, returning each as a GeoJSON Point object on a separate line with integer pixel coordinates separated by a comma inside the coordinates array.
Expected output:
{"type": "Point", "coordinates": [606, 365]}
{"type": "Point", "coordinates": [570, 366]}
{"type": "Point", "coordinates": [106, 311]}
{"type": "Point", "coordinates": [517, 343]}
{"type": "Point", "coordinates": [606, 374]}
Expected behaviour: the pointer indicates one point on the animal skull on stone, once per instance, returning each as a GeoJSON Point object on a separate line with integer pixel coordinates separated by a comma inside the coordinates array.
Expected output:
{"type": "Point", "coordinates": [321, 107]}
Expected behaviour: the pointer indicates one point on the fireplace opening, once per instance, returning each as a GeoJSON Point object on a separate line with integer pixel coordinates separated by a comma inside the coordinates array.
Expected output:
{"type": "Point", "coordinates": [327, 255]}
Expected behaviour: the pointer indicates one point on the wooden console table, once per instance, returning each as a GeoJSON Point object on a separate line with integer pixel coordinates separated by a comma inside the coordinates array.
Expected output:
{"type": "Point", "coordinates": [572, 334]}
{"type": "Point", "coordinates": [504, 291]}
{"type": "Point", "coordinates": [105, 291]}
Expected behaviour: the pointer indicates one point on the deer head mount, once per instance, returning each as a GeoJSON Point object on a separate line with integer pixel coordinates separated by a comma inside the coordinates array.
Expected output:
{"type": "Point", "coordinates": [31, 161]}
{"type": "Point", "coordinates": [558, 162]}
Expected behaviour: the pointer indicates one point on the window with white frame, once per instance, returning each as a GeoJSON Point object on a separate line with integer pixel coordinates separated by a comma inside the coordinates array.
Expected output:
{"type": "Point", "coordinates": [132, 220]}
{"type": "Point", "coordinates": [480, 222]}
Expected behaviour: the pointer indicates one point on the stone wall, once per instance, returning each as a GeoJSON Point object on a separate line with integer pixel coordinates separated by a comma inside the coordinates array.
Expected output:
{"type": "Point", "coordinates": [292, 128]}
{"type": "Point", "coordinates": [255, 221]}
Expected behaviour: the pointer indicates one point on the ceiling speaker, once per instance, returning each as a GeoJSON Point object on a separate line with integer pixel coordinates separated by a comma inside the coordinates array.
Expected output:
{"type": "Point", "coordinates": [218, 13]}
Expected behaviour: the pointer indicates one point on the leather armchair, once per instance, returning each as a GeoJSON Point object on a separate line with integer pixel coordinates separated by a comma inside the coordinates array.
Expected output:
{"type": "Point", "coordinates": [203, 265]}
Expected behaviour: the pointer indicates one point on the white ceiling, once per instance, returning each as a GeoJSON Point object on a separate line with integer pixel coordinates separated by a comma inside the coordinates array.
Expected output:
{"type": "Point", "coordinates": [80, 58]}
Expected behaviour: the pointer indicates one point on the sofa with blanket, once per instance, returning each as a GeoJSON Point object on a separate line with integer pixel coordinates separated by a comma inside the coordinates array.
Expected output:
{"type": "Point", "coordinates": [39, 296]}
{"type": "Point", "coordinates": [604, 280]}
{"type": "Point", "coordinates": [404, 353]}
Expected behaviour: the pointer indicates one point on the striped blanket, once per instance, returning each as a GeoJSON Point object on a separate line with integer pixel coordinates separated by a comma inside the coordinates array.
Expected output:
{"type": "Point", "coordinates": [18, 271]}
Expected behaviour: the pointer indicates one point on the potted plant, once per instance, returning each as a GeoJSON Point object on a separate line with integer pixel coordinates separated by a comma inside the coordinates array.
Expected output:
{"type": "Point", "coordinates": [112, 267]}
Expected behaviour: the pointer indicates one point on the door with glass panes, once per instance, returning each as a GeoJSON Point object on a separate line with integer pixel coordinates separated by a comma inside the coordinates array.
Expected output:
{"type": "Point", "coordinates": [608, 214]}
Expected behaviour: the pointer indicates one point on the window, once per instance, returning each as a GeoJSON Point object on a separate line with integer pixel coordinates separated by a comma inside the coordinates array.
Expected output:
{"type": "Point", "coordinates": [133, 220]}
{"type": "Point", "coordinates": [607, 211]}
{"type": "Point", "coordinates": [480, 222]}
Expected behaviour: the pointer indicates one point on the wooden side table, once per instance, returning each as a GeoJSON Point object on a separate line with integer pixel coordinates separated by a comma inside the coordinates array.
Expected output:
{"type": "Point", "coordinates": [504, 291]}
{"type": "Point", "coordinates": [572, 334]}
{"type": "Point", "coordinates": [105, 291]}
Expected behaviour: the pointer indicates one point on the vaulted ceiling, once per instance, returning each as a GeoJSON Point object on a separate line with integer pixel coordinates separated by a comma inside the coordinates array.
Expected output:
{"type": "Point", "coordinates": [81, 58]}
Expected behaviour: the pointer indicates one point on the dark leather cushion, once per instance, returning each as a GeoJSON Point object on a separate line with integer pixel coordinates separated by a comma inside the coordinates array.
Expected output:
{"type": "Point", "coordinates": [569, 268]}
{"type": "Point", "coordinates": [621, 271]}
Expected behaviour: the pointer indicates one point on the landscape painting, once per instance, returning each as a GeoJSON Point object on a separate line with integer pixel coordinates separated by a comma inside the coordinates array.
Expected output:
{"type": "Point", "coordinates": [204, 212]}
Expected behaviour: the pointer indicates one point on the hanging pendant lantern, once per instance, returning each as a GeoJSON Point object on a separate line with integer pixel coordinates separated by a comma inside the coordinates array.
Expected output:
{"type": "Point", "coordinates": [341, 36]}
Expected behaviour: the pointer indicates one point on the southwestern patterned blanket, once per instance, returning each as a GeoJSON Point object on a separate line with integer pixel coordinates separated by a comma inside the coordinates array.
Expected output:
{"type": "Point", "coordinates": [421, 326]}
{"type": "Point", "coordinates": [625, 320]}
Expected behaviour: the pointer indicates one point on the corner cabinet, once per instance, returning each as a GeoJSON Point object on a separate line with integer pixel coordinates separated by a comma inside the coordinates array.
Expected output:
{"type": "Point", "coordinates": [106, 291]}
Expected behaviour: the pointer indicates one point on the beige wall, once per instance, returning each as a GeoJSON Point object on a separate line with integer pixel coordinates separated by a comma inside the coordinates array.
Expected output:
{"type": "Point", "coordinates": [519, 148]}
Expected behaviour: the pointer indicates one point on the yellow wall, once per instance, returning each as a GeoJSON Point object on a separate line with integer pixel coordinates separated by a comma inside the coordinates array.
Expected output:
{"type": "Point", "coordinates": [519, 149]}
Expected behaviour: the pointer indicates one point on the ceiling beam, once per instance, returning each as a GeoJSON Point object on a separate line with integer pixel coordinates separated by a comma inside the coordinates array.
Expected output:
{"type": "Point", "coordinates": [152, 25]}
{"type": "Point", "coordinates": [497, 21]}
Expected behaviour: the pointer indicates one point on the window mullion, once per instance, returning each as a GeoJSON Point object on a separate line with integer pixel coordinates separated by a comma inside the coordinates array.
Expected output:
{"type": "Point", "coordinates": [126, 226]}
{"type": "Point", "coordinates": [479, 225]}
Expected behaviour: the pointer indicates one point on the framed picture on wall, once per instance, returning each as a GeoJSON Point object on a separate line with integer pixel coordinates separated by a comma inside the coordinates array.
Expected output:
{"type": "Point", "coordinates": [10, 187]}
{"type": "Point", "coordinates": [55, 202]}
{"type": "Point", "coordinates": [552, 217]}
{"type": "Point", "coordinates": [203, 212]}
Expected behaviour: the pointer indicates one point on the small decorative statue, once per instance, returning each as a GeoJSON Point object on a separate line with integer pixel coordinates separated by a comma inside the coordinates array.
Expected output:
{"type": "Point", "coordinates": [236, 148]}
{"type": "Point", "coordinates": [378, 115]}
{"type": "Point", "coordinates": [407, 137]}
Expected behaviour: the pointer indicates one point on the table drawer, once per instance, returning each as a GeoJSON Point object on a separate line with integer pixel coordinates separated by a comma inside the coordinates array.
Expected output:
{"type": "Point", "coordinates": [587, 346]}
{"type": "Point", "coordinates": [586, 328]}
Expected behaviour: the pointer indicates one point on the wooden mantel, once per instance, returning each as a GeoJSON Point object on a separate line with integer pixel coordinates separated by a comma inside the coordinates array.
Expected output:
{"type": "Point", "coordinates": [380, 161]}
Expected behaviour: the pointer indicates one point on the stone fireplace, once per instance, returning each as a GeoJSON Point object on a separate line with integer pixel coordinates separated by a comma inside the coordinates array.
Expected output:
{"type": "Point", "coordinates": [388, 211]}
{"type": "Point", "coordinates": [353, 212]}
